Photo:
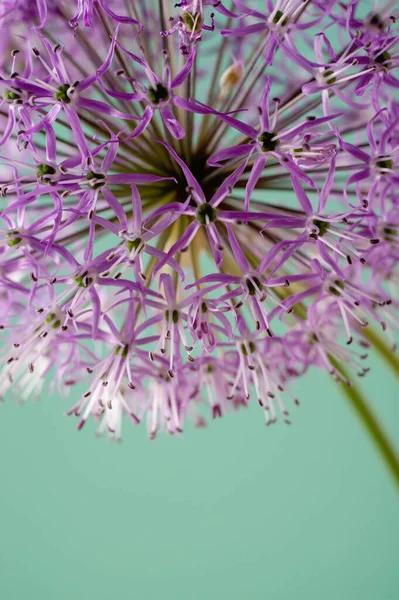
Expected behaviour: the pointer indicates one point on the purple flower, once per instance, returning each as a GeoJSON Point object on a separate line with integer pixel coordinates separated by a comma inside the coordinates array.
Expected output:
{"type": "Point", "coordinates": [276, 23]}
{"type": "Point", "coordinates": [289, 146]}
{"type": "Point", "coordinates": [158, 94]}
{"type": "Point", "coordinates": [381, 163]}
{"type": "Point", "coordinates": [196, 206]}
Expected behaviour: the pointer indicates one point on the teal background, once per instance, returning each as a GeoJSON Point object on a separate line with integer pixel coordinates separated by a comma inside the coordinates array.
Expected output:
{"type": "Point", "coordinates": [234, 511]}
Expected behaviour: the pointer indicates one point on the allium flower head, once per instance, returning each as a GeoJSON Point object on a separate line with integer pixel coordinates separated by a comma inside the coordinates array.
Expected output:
{"type": "Point", "coordinates": [198, 202]}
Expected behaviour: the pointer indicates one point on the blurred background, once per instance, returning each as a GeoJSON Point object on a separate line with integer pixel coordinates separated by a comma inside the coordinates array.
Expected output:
{"type": "Point", "coordinates": [233, 511]}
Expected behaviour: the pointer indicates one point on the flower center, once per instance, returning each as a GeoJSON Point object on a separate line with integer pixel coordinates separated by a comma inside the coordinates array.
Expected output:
{"type": "Point", "coordinates": [389, 234]}
{"type": "Point", "coordinates": [13, 94]}
{"type": "Point", "coordinates": [83, 280]}
{"type": "Point", "coordinates": [376, 21]}
{"type": "Point", "coordinates": [42, 170]}
{"type": "Point", "coordinates": [96, 180]}
{"type": "Point", "coordinates": [385, 163]}
{"type": "Point", "coordinates": [254, 286]}
{"type": "Point", "coordinates": [53, 317]}
{"type": "Point", "coordinates": [193, 22]}
{"type": "Point", "coordinates": [251, 346]}
{"type": "Point", "coordinates": [268, 142]}
{"type": "Point", "coordinates": [61, 93]}
{"type": "Point", "coordinates": [133, 244]}
{"type": "Point", "coordinates": [277, 18]}
{"type": "Point", "coordinates": [14, 241]}
{"type": "Point", "coordinates": [158, 94]}
{"type": "Point", "coordinates": [322, 226]}
{"type": "Point", "coordinates": [333, 288]}
{"type": "Point", "coordinates": [329, 77]}
{"type": "Point", "coordinates": [175, 316]}
{"type": "Point", "coordinates": [384, 58]}
{"type": "Point", "coordinates": [206, 214]}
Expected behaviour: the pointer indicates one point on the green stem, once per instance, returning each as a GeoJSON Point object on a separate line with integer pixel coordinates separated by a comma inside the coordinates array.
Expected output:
{"type": "Point", "coordinates": [386, 351]}
{"type": "Point", "coordinates": [375, 430]}
{"type": "Point", "coordinates": [358, 402]}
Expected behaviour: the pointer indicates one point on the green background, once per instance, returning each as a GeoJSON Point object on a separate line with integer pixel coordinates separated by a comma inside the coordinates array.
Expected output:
{"type": "Point", "coordinates": [234, 511]}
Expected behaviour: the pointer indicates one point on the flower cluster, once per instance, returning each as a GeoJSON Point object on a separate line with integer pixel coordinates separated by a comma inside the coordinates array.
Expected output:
{"type": "Point", "coordinates": [198, 201]}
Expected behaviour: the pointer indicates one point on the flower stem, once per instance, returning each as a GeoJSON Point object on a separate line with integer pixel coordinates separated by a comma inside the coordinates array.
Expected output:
{"type": "Point", "coordinates": [386, 351]}
{"type": "Point", "coordinates": [374, 429]}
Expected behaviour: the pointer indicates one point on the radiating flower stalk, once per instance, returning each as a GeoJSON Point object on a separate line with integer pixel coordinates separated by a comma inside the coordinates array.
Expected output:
{"type": "Point", "coordinates": [198, 203]}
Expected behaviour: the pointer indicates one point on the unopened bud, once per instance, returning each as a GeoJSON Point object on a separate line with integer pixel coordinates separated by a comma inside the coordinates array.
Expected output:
{"type": "Point", "coordinates": [231, 77]}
